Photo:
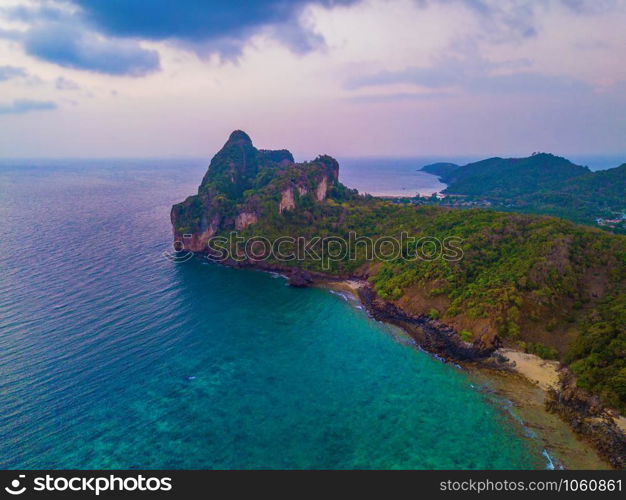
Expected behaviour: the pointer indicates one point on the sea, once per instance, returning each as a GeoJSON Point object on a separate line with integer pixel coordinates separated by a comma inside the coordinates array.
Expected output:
{"type": "Point", "coordinates": [115, 356]}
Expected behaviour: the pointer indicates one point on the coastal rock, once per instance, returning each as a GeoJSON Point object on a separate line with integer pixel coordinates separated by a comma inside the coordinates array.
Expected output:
{"type": "Point", "coordinates": [300, 279]}
{"type": "Point", "coordinates": [430, 334]}
{"type": "Point", "coordinates": [588, 417]}
{"type": "Point", "coordinates": [244, 219]}
{"type": "Point", "coordinates": [322, 188]}
{"type": "Point", "coordinates": [196, 241]}
{"type": "Point", "coordinates": [286, 200]}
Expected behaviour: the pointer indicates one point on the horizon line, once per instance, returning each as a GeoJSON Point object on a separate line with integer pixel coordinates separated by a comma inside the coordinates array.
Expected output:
{"type": "Point", "coordinates": [340, 157]}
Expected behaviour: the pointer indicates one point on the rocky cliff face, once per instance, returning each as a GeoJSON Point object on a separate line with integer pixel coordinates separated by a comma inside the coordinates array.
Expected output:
{"type": "Point", "coordinates": [322, 188]}
{"type": "Point", "coordinates": [244, 184]}
{"type": "Point", "coordinates": [245, 219]}
{"type": "Point", "coordinates": [287, 201]}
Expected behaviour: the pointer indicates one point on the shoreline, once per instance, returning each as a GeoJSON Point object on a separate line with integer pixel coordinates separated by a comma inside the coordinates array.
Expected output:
{"type": "Point", "coordinates": [568, 419]}
{"type": "Point", "coordinates": [525, 380]}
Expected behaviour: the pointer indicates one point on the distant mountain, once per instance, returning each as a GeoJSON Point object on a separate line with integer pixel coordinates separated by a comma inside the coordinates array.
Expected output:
{"type": "Point", "coordinates": [602, 185]}
{"type": "Point", "coordinates": [440, 169]}
{"type": "Point", "coordinates": [543, 184]}
{"type": "Point", "coordinates": [510, 177]}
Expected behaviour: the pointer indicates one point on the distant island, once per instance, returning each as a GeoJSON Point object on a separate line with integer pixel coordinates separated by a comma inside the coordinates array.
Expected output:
{"type": "Point", "coordinates": [541, 184]}
{"type": "Point", "coordinates": [538, 284]}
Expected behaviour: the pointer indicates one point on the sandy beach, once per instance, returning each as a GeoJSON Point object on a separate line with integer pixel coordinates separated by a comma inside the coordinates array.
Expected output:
{"type": "Point", "coordinates": [539, 371]}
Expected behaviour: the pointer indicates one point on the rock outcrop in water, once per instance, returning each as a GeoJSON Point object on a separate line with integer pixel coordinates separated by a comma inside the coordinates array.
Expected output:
{"type": "Point", "coordinates": [243, 184]}
{"type": "Point", "coordinates": [588, 417]}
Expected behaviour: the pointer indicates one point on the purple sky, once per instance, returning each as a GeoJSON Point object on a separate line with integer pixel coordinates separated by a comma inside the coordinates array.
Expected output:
{"type": "Point", "coordinates": [109, 78]}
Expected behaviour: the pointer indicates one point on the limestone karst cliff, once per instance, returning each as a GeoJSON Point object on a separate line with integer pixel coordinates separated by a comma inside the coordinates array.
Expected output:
{"type": "Point", "coordinates": [243, 184]}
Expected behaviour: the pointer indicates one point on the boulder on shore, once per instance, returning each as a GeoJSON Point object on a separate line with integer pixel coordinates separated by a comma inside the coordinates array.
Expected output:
{"type": "Point", "coordinates": [300, 279]}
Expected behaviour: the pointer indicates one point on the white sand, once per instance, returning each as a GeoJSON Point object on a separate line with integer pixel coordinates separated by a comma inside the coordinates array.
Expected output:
{"type": "Point", "coordinates": [539, 371]}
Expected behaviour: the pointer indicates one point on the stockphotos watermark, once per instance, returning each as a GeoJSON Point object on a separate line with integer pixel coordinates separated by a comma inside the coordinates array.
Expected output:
{"type": "Point", "coordinates": [323, 249]}
{"type": "Point", "coordinates": [95, 485]}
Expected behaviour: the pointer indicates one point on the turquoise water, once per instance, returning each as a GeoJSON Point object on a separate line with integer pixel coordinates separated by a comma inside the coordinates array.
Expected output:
{"type": "Point", "coordinates": [112, 356]}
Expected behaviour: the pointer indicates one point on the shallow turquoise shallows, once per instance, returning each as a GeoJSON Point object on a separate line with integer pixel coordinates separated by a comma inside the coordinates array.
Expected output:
{"type": "Point", "coordinates": [112, 356]}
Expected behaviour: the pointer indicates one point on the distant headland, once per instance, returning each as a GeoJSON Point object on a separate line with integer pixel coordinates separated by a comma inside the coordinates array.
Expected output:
{"type": "Point", "coordinates": [542, 184]}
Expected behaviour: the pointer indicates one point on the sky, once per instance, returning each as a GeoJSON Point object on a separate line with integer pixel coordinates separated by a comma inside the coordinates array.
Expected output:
{"type": "Point", "coordinates": [158, 78]}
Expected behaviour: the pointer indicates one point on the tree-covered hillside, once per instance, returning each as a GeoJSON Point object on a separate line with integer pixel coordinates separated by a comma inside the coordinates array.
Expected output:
{"type": "Point", "coordinates": [512, 177]}
{"type": "Point", "coordinates": [541, 184]}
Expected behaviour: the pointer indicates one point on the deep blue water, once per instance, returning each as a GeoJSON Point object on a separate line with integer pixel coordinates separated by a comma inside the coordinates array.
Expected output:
{"type": "Point", "coordinates": [112, 356]}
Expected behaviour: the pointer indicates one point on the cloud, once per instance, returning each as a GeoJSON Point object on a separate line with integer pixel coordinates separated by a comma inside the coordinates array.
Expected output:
{"type": "Point", "coordinates": [472, 80]}
{"type": "Point", "coordinates": [464, 68]}
{"type": "Point", "coordinates": [10, 34]}
{"type": "Point", "coordinates": [8, 72]}
{"type": "Point", "coordinates": [196, 20]}
{"type": "Point", "coordinates": [462, 64]}
{"type": "Point", "coordinates": [591, 6]}
{"type": "Point", "coordinates": [508, 20]}
{"type": "Point", "coordinates": [72, 47]}
{"type": "Point", "coordinates": [103, 35]}
{"type": "Point", "coordinates": [223, 28]}
{"type": "Point", "coordinates": [62, 37]}
{"type": "Point", "coordinates": [514, 20]}
{"type": "Point", "coordinates": [526, 83]}
{"type": "Point", "coordinates": [20, 106]}
{"type": "Point", "coordinates": [399, 96]}
{"type": "Point", "coordinates": [62, 83]}
{"type": "Point", "coordinates": [30, 14]}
